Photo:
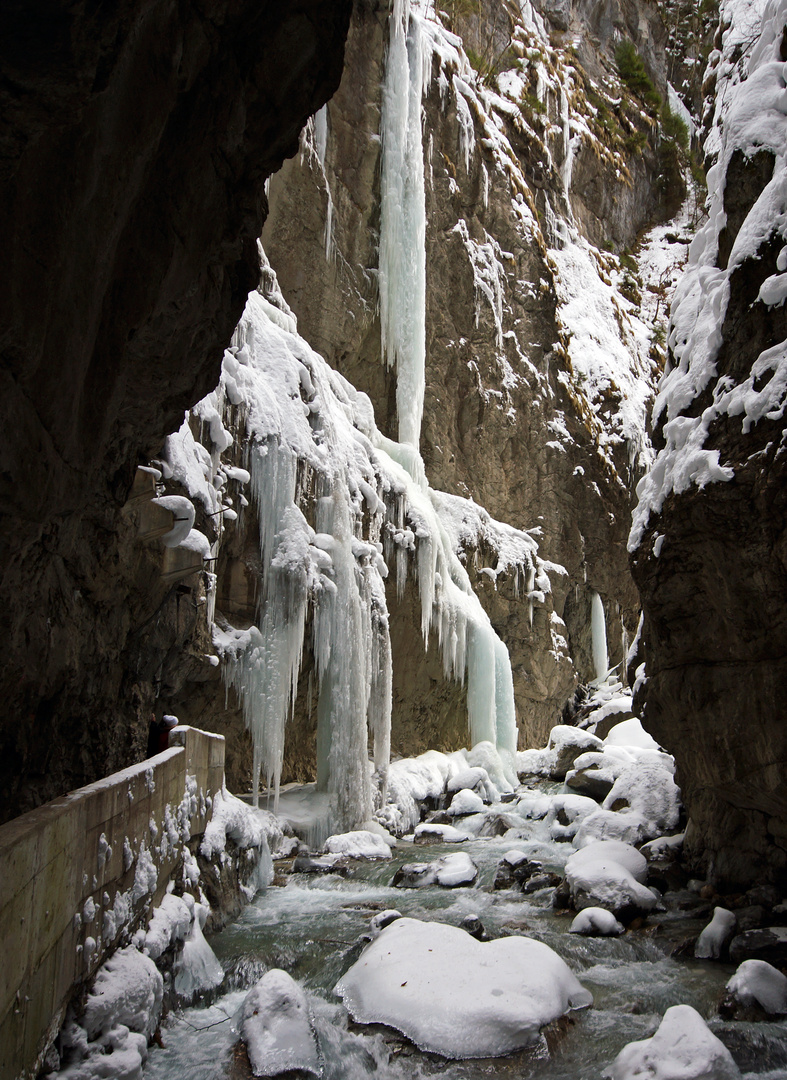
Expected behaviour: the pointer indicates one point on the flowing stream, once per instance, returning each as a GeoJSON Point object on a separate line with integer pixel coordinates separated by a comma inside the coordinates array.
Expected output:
{"type": "Point", "coordinates": [311, 925]}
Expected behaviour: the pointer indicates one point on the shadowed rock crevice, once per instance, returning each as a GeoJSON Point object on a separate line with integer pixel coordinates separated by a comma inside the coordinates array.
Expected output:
{"type": "Point", "coordinates": [133, 154]}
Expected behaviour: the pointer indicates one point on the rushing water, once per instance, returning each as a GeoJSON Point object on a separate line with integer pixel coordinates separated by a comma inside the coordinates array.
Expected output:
{"type": "Point", "coordinates": [311, 925]}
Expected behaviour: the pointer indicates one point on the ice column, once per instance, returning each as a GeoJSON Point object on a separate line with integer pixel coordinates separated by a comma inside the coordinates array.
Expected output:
{"type": "Point", "coordinates": [598, 629]}
{"type": "Point", "coordinates": [343, 652]}
{"type": "Point", "coordinates": [402, 269]}
{"type": "Point", "coordinates": [265, 674]}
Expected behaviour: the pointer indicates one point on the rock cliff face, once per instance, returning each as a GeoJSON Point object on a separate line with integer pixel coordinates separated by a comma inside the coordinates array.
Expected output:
{"type": "Point", "coordinates": [135, 144]}
{"type": "Point", "coordinates": [709, 535]}
{"type": "Point", "coordinates": [520, 174]}
{"type": "Point", "coordinates": [543, 318]}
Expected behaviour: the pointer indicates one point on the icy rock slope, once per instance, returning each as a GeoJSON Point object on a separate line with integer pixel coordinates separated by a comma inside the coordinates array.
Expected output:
{"type": "Point", "coordinates": [749, 119]}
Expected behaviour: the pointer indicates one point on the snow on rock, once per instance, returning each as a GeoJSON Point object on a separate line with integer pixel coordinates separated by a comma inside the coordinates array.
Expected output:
{"type": "Point", "coordinates": [171, 922]}
{"type": "Point", "coordinates": [758, 982]}
{"type": "Point", "coordinates": [611, 875]}
{"type": "Point", "coordinates": [596, 922]}
{"type": "Point", "coordinates": [485, 755]}
{"type": "Point", "coordinates": [567, 813]}
{"type": "Point", "coordinates": [475, 779]}
{"type": "Point", "coordinates": [411, 781]}
{"type": "Point", "coordinates": [450, 871]}
{"type": "Point", "coordinates": [277, 1029]}
{"type": "Point", "coordinates": [246, 826]}
{"type": "Point", "coordinates": [182, 510]}
{"type": "Point", "coordinates": [683, 1048]}
{"type": "Point", "coordinates": [465, 801]}
{"type": "Point", "coordinates": [197, 968]}
{"type": "Point", "coordinates": [711, 942]}
{"type": "Point", "coordinates": [122, 1012]}
{"type": "Point", "coordinates": [632, 735]}
{"type": "Point", "coordinates": [360, 844]}
{"type": "Point", "coordinates": [749, 119]}
{"type": "Point", "coordinates": [564, 746]}
{"type": "Point", "coordinates": [128, 989]}
{"type": "Point", "coordinates": [434, 833]}
{"type": "Point", "coordinates": [643, 803]}
{"type": "Point", "coordinates": [453, 995]}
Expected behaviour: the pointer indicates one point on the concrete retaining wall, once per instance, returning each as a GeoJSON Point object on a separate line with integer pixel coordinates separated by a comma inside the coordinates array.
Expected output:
{"type": "Point", "coordinates": [80, 873]}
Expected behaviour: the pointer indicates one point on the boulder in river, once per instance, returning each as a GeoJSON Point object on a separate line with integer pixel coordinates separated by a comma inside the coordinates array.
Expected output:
{"type": "Point", "coordinates": [451, 871]}
{"type": "Point", "coordinates": [455, 996]}
{"type": "Point", "coordinates": [276, 1027]}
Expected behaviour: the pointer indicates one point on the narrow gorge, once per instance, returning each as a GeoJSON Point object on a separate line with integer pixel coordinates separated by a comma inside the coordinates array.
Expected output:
{"type": "Point", "coordinates": [396, 389]}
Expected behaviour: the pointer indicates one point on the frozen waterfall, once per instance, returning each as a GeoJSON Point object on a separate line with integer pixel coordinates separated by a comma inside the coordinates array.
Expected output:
{"type": "Point", "coordinates": [402, 271]}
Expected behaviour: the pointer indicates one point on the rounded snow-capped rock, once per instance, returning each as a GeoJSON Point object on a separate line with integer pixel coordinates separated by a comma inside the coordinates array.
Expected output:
{"type": "Point", "coordinates": [434, 833]}
{"type": "Point", "coordinates": [568, 743]}
{"type": "Point", "coordinates": [596, 922]}
{"type": "Point", "coordinates": [757, 991]}
{"type": "Point", "coordinates": [516, 871]}
{"type": "Point", "coordinates": [465, 801]}
{"type": "Point", "coordinates": [360, 844]}
{"type": "Point", "coordinates": [591, 776]}
{"type": "Point", "coordinates": [452, 871]}
{"type": "Point", "coordinates": [664, 869]}
{"type": "Point", "coordinates": [276, 1027]}
{"type": "Point", "coordinates": [456, 996]}
{"type": "Point", "coordinates": [683, 1046]}
{"type": "Point", "coordinates": [304, 863]}
{"type": "Point", "coordinates": [611, 875]}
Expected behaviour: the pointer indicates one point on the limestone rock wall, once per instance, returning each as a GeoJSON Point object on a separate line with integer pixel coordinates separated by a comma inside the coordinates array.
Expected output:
{"type": "Point", "coordinates": [709, 538]}
{"type": "Point", "coordinates": [516, 171]}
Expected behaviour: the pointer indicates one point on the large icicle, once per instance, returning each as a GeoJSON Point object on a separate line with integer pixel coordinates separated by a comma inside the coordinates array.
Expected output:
{"type": "Point", "coordinates": [402, 271]}
{"type": "Point", "coordinates": [598, 629]}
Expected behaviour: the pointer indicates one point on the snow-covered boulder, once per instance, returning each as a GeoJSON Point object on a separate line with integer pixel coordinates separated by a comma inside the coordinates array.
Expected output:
{"type": "Point", "coordinates": [611, 875]}
{"type": "Point", "coordinates": [451, 872]}
{"type": "Point", "coordinates": [122, 1011]}
{"type": "Point", "coordinates": [276, 1027]}
{"type": "Point", "coordinates": [596, 922]}
{"type": "Point", "coordinates": [474, 779]}
{"type": "Point", "coordinates": [716, 935]}
{"type": "Point", "coordinates": [756, 990]}
{"type": "Point", "coordinates": [304, 863]}
{"type": "Point", "coordinates": [411, 782]}
{"type": "Point", "coordinates": [683, 1048]}
{"type": "Point", "coordinates": [465, 801]}
{"type": "Point", "coordinates": [594, 773]}
{"type": "Point", "coordinates": [453, 995]}
{"type": "Point", "coordinates": [170, 923]}
{"type": "Point", "coordinates": [644, 802]}
{"type": "Point", "coordinates": [565, 745]}
{"type": "Point", "coordinates": [630, 733]}
{"type": "Point", "coordinates": [434, 833]}
{"type": "Point", "coordinates": [360, 844]}
{"type": "Point", "coordinates": [566, 814]}
{"type": "Point", "coordinates": [128, 989]}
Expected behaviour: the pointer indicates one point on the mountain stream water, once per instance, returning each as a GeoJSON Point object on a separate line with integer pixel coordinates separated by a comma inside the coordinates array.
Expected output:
{"type": "Point", "coordinates": [311, 925]}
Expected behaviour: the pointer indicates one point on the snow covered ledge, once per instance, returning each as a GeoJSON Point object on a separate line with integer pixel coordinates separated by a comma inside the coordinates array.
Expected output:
{"type": "Point", "coordinates": [83, 872]}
